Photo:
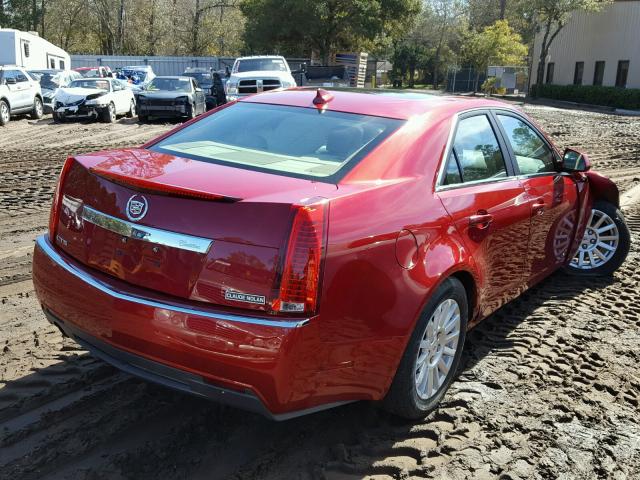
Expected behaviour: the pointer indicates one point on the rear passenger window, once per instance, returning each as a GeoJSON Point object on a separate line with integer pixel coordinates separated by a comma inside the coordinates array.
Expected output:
{"type": "Point", "coordinates": [452, 175]}
{"type": "Point", "coordinates": [476, 152]}
{"type": "Point", "coordinates": [532, 154]}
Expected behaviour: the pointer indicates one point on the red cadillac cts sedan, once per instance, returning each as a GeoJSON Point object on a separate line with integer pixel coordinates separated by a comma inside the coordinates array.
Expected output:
{"type": "Point", "coordinates": [301, 249]}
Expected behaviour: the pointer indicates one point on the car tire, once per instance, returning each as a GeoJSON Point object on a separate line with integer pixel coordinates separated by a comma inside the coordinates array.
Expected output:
{"type": "Point", "coordinates": [418, 387]}
{"type": "Point", "coordinates": [109, 114]}
{"type": "Point", "coordinates": [38, 110]}
{"type": "Point", "coordinates": [5, 113]}
{"type": "Point", "coordinates": [607, 229]}
{"type": "Point", "coordinates": [57, 118]}
{"type": "Point", "coordinates": [132, 110]}
{"type": "Point", "coordinates": [192, 113]}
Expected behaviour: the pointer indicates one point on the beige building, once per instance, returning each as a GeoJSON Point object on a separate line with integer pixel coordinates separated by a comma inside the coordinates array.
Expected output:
{"type": "Point", "coordinates": [600, 48]}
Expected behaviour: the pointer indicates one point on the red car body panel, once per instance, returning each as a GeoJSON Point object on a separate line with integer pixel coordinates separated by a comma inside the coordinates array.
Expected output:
{"type": "Point", "coordinates": [393, 236]}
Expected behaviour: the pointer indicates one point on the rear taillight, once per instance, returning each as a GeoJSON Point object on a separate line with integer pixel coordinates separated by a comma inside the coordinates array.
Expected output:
{"type": "Point", "coordinates": [300, 283]}
{"type": "Point", "coordinates": [57, 195]}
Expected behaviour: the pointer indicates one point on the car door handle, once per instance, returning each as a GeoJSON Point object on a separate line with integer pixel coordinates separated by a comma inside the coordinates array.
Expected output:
{"type": "Point", "coordinates": [481, 220]}
{"type": "Point", "coordinates": [537, 208]}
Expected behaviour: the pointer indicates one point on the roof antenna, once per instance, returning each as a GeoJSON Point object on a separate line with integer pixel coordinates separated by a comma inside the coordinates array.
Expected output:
{"type": "Point", "coordinates": [322, 98]}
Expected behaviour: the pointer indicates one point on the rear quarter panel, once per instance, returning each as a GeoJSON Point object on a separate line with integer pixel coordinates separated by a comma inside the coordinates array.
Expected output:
{"type": "Point", "coordinates": [369, 302]}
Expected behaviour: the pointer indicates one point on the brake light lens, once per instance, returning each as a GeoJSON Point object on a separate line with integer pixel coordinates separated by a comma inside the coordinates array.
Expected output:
{"type": "Point", "coordinates": [300, 284]}
{"type": "Point", "coordinates": [54, 215]}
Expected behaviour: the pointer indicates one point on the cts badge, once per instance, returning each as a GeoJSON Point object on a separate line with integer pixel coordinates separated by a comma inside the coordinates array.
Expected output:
{"type": "Point", "coordinates": [137, 207]}
{"type": "Point", "coordinates": [244, 297]}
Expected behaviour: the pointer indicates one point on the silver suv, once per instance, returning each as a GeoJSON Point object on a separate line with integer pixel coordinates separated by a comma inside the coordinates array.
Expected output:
{"type": "Point", "coordinates": [19, 93]}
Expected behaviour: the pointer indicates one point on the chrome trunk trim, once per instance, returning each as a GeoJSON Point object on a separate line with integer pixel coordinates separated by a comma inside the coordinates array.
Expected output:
{"type": "Point", "coordinates": [146, 234]}
{"type": "Point", "coordinates": [42, 242]}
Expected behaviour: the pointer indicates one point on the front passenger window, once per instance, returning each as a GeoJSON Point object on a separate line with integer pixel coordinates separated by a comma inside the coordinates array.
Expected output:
{"type": "Point", "coordinates": [532, 154]}
{"type": "Point", "coordinates": [477, 152]}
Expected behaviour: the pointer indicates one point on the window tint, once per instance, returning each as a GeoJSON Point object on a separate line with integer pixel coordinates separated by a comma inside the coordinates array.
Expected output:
{"type": "Point", "coordinates": [533, 155]}
{"type": "Point", "coordinates": [21, 77]}
{"type": "Point", "coordinates": [280, 139]}
{"type": "Point", "coordinates": [477, 150]}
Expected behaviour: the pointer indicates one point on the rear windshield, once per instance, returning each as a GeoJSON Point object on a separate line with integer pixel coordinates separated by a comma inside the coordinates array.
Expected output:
{"type": "Point", "coordinates": [293, 141]}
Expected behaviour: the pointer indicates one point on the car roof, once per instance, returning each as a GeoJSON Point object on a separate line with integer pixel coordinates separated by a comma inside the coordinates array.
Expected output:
{"type": "Point", "coordinates": [259, 56]}
{"type": "Point", "coordinates": [174, 77]}
{"type": "Point", "coordinates": [397, 104]}
{"type": "Point", "coordinates": [95, 79]}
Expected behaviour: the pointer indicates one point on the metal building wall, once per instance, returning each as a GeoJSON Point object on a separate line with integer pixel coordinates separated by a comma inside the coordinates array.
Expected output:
{"type": "Point", "coordinates": [164, 65]}
{"type": "Point", "coordinates": [610, 35]}
{"type": "Point", "coordinates": [160, 65]}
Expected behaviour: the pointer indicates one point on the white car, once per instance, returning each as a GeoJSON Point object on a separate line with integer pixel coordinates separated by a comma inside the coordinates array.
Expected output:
{"type": "Point", "coordinates": [97, 98]}
{"type": "Point", "coordinates": [19, 93]}
{"type": "Point", "coordinates": [257, 74]}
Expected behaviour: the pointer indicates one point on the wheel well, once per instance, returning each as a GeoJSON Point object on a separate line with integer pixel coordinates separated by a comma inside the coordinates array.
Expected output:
{"type": "Point", "coordinates": [469, 285]}
{"type": "Point", "coordinates": [6, 100]}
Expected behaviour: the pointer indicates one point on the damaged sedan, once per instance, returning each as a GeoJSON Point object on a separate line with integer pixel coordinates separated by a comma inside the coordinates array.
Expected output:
{"type": "Point", "coordinates": [171, 97]}
{"type": "Point", "coordinates": [94, 98]}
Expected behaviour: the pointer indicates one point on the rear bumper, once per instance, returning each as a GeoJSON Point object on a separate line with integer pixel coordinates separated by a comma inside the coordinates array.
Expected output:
{"type": "Point", "coordinates": [259, 364]}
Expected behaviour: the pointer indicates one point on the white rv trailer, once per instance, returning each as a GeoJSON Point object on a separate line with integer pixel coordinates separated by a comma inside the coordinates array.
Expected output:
{"type": "Point", "coordinates": [31, 52]}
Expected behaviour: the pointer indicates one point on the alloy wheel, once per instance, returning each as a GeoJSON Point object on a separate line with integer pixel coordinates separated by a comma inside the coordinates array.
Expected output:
{"type": "Point", "coordinates": [38, 108]}
{"type": "Point", "coordinates": [437, 350]}
{"type": "Point", "coordinates": [599, 243]}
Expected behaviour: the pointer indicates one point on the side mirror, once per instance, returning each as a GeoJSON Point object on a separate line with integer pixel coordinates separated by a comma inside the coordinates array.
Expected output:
{"type": "Point", "coordinates": [575, 161]}
{"type": "Point", "coordinates": [10, 81]}
{"type": "Point", "coordinates": [198, 89]}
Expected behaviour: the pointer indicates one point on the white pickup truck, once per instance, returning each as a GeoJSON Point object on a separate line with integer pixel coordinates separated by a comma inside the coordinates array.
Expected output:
{"type": "Point", "coordinates": [257, 74]}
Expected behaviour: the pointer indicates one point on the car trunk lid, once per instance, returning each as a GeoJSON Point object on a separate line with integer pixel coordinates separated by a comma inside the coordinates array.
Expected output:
{"type": "Point", "coordinates": [186, 228]}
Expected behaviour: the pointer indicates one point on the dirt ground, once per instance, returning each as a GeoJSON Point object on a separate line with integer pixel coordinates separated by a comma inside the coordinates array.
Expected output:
{"type": "Point", "coordinates": [549, 386]}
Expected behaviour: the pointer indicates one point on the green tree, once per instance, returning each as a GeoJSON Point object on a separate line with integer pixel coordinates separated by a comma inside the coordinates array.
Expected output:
{"type": "Point", "coordinates": [551, 16]}
{"type": "Point", "coordinates": [497, 44]}
{"type": "Point", "coordinates": [298, 27]}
